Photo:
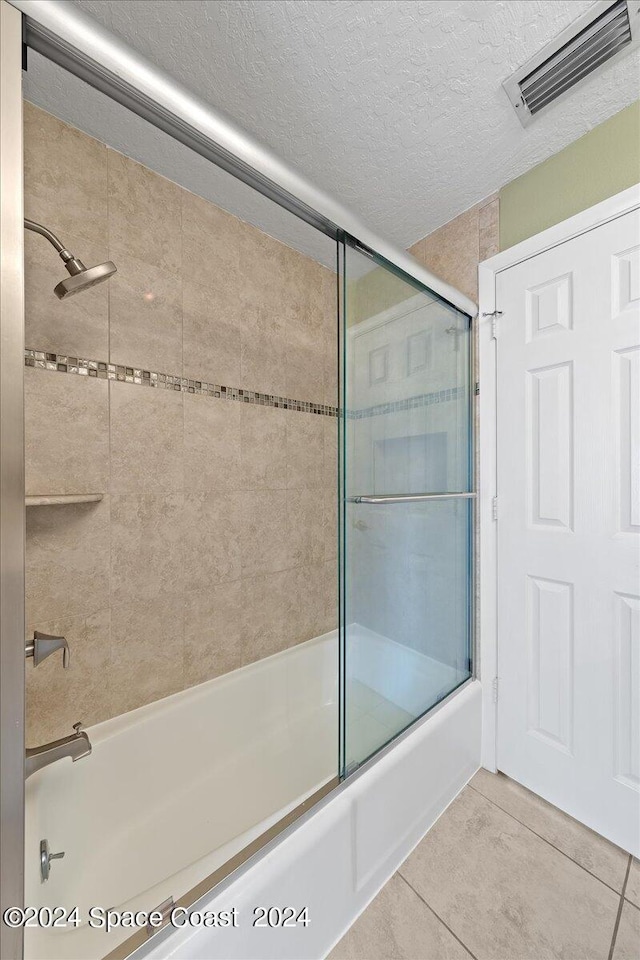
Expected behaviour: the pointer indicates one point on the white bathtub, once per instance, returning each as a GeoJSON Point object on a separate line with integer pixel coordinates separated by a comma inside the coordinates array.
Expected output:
{"type": "Point", "coordinates": [173, 790]}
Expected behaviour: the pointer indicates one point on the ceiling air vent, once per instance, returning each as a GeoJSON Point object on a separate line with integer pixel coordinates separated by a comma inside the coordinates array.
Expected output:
{"type": "Point", "coordinates": [593, 40]}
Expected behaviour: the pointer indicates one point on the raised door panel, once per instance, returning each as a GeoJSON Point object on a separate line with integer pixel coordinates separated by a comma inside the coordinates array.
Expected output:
{"type": "Point", "coordinates": [627, 689]}
{"type": "Point", "coordinates": [549, 307]}
{"type": "Point", "coordinates": [626, 281]}
{"type": "Point", "coordinates": [550, 430]}
{"type": "Point", "coordinates": [550, 642]}
{"type": "Point", "coordinates": [626, 379]}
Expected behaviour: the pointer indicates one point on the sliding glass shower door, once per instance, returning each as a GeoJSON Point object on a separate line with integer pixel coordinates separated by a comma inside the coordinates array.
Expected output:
{"type": "Point", "coordinates": [407, 502]}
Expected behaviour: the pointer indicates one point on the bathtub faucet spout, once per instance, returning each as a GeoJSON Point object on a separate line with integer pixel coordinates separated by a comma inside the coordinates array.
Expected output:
{"type": "Point", "coordinates": [75, 746]}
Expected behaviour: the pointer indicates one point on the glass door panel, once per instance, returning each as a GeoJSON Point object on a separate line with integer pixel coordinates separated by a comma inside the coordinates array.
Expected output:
{"type": "Point", "coordinates": [407, 512]}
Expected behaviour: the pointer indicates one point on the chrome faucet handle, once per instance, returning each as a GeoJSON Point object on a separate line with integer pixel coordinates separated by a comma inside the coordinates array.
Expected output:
{"type": "Point", "coordinates": [78, 726]}
{"type": "Point", "coordinates": [43, 645]}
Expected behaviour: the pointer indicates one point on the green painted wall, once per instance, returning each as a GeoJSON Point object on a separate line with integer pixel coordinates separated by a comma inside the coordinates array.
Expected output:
{"type": "Point", "coordinates": [598, 165]}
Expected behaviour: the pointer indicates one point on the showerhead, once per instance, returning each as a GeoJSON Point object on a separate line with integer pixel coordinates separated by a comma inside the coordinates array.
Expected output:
{"type": "Point", "coordinates": [81, 277]}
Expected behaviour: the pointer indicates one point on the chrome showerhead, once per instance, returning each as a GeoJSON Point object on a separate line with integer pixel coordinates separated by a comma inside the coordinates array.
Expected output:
{"type": "Point", "coordinates": [81, 277]}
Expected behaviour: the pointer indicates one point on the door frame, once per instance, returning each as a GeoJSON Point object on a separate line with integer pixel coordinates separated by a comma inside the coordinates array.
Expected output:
{"type": "Point", "coordinates": [590, 219]}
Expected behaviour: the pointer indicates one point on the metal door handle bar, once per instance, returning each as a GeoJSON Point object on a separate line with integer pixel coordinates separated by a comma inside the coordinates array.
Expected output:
{"type": "Point", "coordinates": [411, 497]}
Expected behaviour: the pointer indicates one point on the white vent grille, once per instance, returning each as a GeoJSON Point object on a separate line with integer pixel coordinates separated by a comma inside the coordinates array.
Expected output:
{"type": "Point", "coordinates": [606, 31]}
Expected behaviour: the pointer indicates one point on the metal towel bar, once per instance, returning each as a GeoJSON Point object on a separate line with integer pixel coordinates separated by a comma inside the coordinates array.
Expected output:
{"type": "Point", "coordinates": [411, 497]}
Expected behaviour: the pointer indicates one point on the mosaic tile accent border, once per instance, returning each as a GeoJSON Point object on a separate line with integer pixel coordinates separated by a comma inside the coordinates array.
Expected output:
{"type": "Point", "coordinates": [63, 363]}
{"type": "Point", "coordinates": [410, 403]}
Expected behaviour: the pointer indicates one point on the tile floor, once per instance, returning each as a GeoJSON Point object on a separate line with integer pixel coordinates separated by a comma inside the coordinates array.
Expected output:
{"type": "Point", "coordinates": [503, 875]}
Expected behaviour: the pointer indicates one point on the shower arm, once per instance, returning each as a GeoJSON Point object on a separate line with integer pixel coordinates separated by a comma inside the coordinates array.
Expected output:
{"type": "Point", "coordinates": [73, 265]}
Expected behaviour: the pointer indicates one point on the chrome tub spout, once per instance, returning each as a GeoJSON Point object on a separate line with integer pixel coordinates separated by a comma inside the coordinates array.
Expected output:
{"type": "Point", "coordinates": [76, 746]}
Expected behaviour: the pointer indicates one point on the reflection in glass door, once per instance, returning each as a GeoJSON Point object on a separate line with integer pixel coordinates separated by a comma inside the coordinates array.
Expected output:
{"type": "Point", "coordinates": [407, 502]}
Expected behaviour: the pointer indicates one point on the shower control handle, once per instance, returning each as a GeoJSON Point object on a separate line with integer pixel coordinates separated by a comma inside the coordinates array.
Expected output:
{"type": "Point", "coordinates": [43, 645]}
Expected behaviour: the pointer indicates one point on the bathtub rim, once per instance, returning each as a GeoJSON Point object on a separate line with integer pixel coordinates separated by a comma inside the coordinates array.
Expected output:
{"type": "Point", "coordinates": [140, 943]}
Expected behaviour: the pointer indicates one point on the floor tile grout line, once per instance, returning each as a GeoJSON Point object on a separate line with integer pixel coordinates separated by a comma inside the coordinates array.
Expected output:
{"type": "Point", "coordinates": [620, 908]}
{"type": "Point", "coordinates": [548, 842]}
{"type": "Point", "coordinates": [430, 908]}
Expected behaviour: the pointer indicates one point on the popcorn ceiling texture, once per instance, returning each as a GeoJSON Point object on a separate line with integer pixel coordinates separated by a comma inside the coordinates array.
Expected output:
{"type": "Point", "coordinates": [394, 106]}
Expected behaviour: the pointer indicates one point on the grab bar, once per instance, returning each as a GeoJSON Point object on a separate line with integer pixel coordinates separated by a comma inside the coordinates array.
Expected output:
{"type": "Point", "coordinates": [411, 497]}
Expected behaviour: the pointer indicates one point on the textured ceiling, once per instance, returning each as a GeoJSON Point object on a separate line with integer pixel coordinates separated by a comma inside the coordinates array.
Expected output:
{"type": "Point", "coordinates": [394, 106]}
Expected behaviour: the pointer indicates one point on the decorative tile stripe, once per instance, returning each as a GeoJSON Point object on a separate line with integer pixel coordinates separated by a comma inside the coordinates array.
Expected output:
{"type": "Point", "coordinates": [410, 403]}
{"type": "Point", "coordinates": [63, 363]}
{"type": "Point", "coordinates": [150, 378]}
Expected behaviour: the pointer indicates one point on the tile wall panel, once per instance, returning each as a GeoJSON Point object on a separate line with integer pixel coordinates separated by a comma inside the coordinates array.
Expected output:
{"type": "Point", "coordinates": [214, 544]}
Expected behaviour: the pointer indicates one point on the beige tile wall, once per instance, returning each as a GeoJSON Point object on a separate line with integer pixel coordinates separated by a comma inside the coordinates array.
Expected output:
{"type": "Point", "coordinates": [215, 542]}
{"type": "Point", "coordinates": [454, 250]}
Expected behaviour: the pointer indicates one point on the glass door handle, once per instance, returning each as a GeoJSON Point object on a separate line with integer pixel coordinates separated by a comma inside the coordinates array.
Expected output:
{"type": "Point", "coordinates": [410, 497]}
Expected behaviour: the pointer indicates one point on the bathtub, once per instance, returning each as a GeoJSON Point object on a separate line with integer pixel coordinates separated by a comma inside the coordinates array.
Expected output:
{"type": "Point", "coordinates": [173, 790]}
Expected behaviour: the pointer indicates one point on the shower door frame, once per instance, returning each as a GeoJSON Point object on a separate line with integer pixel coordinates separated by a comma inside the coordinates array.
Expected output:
{"type": "Point", "coordinates": [80, 45]}
{"type": "Point", "coordinates": [344, 334]}
{"type": "Point", "coordinates": [12, 503]}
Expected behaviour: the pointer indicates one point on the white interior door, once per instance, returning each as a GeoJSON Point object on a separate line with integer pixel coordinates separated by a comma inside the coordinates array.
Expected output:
{"type": "Point", "coordinates": [568, 483]}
